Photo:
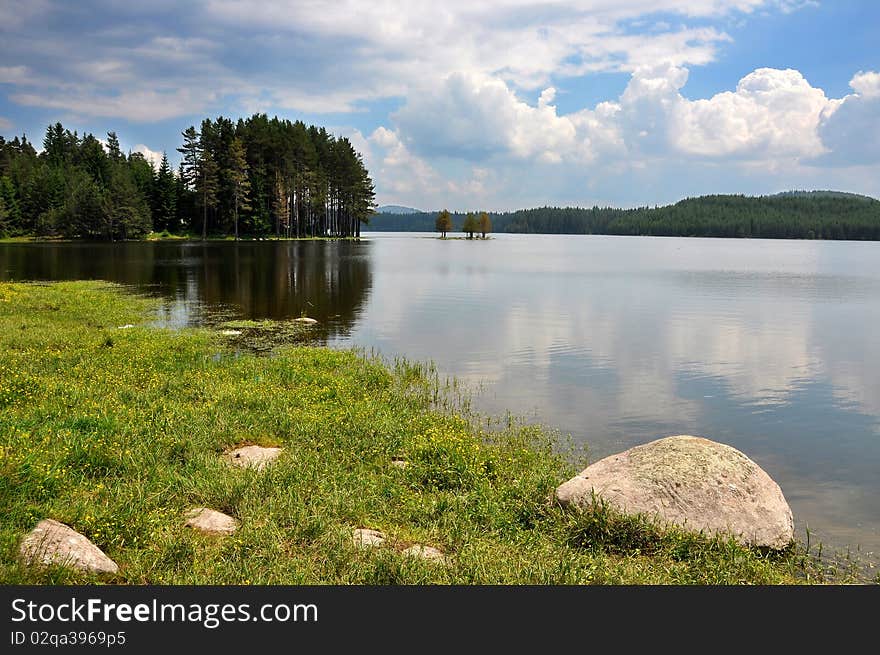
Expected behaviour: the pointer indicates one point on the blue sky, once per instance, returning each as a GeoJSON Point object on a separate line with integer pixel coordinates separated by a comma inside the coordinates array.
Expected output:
{"type": "Point", "coordinates": [477, 104]}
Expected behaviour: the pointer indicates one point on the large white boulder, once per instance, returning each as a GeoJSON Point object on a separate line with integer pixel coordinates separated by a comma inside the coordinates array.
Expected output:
{"type": "Point", "coordinates": [691, 482]}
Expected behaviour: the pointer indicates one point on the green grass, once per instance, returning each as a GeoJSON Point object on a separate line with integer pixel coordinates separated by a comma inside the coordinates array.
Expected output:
{"type": "Point", "coordinates": [31, 239]}
{"type": "Point", "coordinates": [116, 432]}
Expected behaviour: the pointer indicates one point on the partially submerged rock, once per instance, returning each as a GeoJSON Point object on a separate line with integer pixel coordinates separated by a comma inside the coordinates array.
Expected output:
{"type": "Point", "coordinates": [52, 542]}
{"type": "Point", "coordinates": [305, 320]}
{"type": "Point", "coordinates": [211, 522]}
{"type": "Point", "coordinates": [428, 553]}
{"type": "Point", "coordinates": [255, 457]}
{"type": "Point", "coordinates": [367, 538]}
{"type": "Point", "coordinates": [692, 482]}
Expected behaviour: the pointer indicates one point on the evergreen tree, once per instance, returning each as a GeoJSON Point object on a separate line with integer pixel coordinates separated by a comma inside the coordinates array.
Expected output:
{"type": "Point", "coordinates": [4, 219]}
{"type": "Point", "coordinates": [83, 213]}
{"type": "Point", "coordinates": [183, 199]}
{"type": "Point", "coordinates": [238, 177]}
{"type": "Point", "coordinates": [199, 172]}
{"type": "Point", "coordinates": [280, 204]}
{"type": "Point", "coordinates": [94, 160]}
{"type": "Point", "coordinates": [60, 146]}
{"type": "Point", "coordinates": [206, 187]}
{"type": "Point", "coordinates": [126, 210]}
{"type": "Point", "coordinates": [113, 147]}
{"type": "Point", "coordinates": [11, 223]}
{"type": "Point", "coordinates": [164, 198]}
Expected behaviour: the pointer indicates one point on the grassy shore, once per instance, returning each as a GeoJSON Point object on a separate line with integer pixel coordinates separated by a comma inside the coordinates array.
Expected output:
{"type": "Point", "coordinates": [118, 431]}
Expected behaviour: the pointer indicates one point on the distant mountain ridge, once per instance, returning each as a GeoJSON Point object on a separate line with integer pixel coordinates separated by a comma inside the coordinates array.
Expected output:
{"type": "Point", "coordinates": [822, 194]}
{"type": "Point", "coordinates": [398, 209]}
{"type": "Point", "coordinates": [787, 215]}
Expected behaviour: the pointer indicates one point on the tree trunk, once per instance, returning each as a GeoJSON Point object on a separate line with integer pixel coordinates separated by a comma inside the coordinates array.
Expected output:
{"type": "Point", "coordinates": [236, 217]}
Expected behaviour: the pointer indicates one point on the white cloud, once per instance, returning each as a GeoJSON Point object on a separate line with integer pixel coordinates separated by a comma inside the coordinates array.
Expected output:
{"type": "Point", "coordinates": [138, 105]}
{"type": "Point", "coordinates": [473, 116]}
{"type": "Point", "coordinates": [773, 126]}
{"type": "Point", "coordinates": [152, 156]}
{"type": "Point", "coordinates": [851, 132]}
{"type": "Point", "coordinates": [405, 175]}
{"type": "Point", "coordinates": [866, 84]}
{"type": "Point", "coordinates": [773, 113]}
{"type": "Point", "coordinates": [354, 52]}
{"type": "Point", "coordinates": [479, 84]}
{"type": "Point", "coordinates": [5, 124]}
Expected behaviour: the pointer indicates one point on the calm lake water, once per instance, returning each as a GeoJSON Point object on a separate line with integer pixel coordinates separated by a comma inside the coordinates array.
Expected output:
{"type": "Point", "coordinates": [769, 346]}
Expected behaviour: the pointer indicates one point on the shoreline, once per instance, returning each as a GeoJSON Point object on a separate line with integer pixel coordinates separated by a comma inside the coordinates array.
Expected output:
{"type": "Point", "coordinates": [116, 429]}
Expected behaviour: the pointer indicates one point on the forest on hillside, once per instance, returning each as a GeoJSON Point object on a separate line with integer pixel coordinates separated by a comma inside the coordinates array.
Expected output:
{"type": "Point", "coordinates": [792, 215]}
{"type": "Point", "coordinates": [253, 177]}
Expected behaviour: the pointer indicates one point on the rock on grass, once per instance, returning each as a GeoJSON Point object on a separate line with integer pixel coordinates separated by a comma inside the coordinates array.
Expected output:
{"type": "Point", "coordinates": [255, 457]}
{"type": "Point", "coordinates": [52, 542]}
{"type": "Point", "coordinates": [691, 482]}
{"type": "Point", "coordinates": [428, 553]}
{"type": "Point", "coordinates": [367, 538]}
{"type": "Point", "coordinates": [210, 521]}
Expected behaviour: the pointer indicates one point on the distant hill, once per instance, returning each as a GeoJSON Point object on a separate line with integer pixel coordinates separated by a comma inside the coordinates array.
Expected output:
{"type": "Point", "coordinates": [397, 209]}
{"type": "Point", "coordinates": [822, 194]}
{"type": "Point", "coordinates": [789, 215]}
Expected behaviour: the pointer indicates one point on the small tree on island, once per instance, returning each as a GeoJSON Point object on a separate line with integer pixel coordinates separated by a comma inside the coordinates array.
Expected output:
{"type": "Point", "coordinates": [470, 225]}
{"type": "Point", "coordinates": [443, 223]}
{"type": "Point", "coordinates": [485, 224]}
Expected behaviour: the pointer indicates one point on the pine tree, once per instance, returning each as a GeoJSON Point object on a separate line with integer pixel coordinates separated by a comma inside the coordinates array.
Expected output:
{"type": "Point", "coordinates": [125, 207]}
{"type": "Point", "coordinates": [4, 219]}
{"type": "Point", "coordinates": [11, 223]}
{"type": "Point", "coordinates": [56, 144]}
{"type": "Point", "coordinates": [199, 172]}
{"type": "Point", "coordinates": [191, 151]}
{"type": "Point", "coordinates": [239, 180]}
{"type": "Point", "coordinates": [206, 187]}
{"type": "Point", "coordinates": [113, 147]}
{"type": "Point", "coordinates": [164, 197]}
{"type": "Point", "coordinates": [280, 203]}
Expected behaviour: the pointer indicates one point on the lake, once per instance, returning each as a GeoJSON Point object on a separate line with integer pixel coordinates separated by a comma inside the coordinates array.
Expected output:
{"type": "Point", "coordinates": [769, 346]}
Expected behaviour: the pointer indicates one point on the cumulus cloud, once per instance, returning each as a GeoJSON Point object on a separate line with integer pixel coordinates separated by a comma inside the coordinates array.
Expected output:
{"type": "Point", "coordinates": [152, 156]}
{"type": "Point", "coordinates": [851, 133]}
{"type": "Point", "coordinates": [473, 116]}
{"type": "Point", "coordinates": [405, 175]}
{"type": "Point", "coordinates": [774, 125]}
{"type": "Point", "coordinates": [773, 114]}
{"type": "Point", "coordinates": [477, 84]}
{"type": "Point", "coordinates": [867, 84]}
{"type": "Point", "coordinates": [354, 52]}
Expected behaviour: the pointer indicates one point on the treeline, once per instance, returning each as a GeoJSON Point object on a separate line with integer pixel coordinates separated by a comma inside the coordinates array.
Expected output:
{"type": "Point", "coordinates": [793, 215]}
{"type": "Point", "coordinates": [254, 177]}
